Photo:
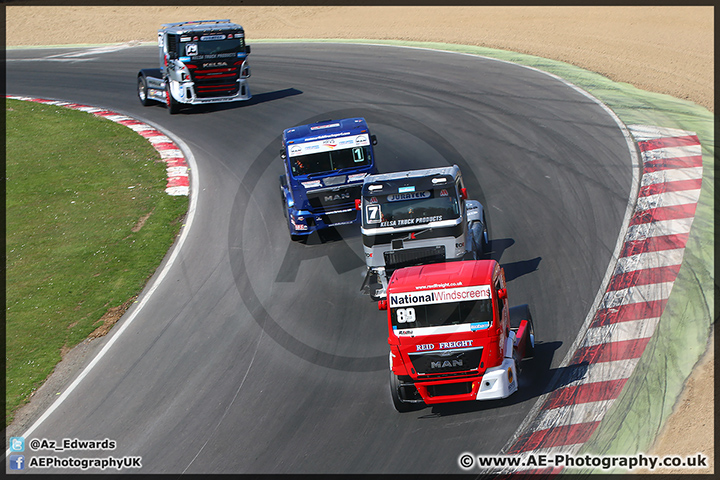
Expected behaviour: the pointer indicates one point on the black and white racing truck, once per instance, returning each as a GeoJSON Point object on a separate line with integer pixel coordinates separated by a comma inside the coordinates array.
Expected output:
{"type": "Point", "coordinates": [204, 61]}
{"type": "Point", "coordinates": [417, 217]}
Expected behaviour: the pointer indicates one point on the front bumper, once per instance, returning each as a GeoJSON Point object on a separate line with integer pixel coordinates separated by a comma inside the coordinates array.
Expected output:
{"type": "Point", "coordinates": [185, 93]}
{"type": "Point", "coordinates": [305, 222]}
{"type": "Point", "coordinates": [496, 383]}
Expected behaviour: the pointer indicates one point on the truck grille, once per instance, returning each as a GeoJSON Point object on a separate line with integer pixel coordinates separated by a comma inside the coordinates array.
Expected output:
{"type": "Point", "coordinates": [331, 200]}
{"type": "Point", "coordinates": [414, 256]}
{"type": "Point", "coordinates": [446, 362]}
{"type": "Point", "coordinates": [340, 216]}
{"type": "Point", "coordinates": [216, 82]}
{"type": "Point", "coordinates": [461, 388]}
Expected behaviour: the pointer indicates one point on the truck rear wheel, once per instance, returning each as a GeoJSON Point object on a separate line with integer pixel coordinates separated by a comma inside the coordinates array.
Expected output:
{"type": "Point", "coordinates": [143, 91]}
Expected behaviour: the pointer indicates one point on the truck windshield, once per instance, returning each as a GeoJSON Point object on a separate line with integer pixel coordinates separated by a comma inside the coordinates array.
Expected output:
{"type": "Point", "coordinates": [415, 208]}
{"type": "Point", "coordinates": [200, 49]}
{"type": "Point", "coordinates": [439, 314]}
{"type": "Point", "coordinates": [330, 161]}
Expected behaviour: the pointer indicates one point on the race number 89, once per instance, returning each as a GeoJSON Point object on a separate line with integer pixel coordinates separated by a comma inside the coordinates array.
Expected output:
{"type": "Point", "coordinates": [405, 315]}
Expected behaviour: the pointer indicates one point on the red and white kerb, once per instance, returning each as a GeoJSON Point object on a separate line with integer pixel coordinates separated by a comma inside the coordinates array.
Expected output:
{"type": "Point", "coordinates": [635, 298]}
{"type": "Point", "coordinates": [178, 182]}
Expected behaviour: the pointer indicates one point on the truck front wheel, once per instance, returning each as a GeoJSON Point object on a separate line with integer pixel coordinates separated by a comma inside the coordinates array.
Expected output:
{"type": "Point", "coordinates": [479, 238]}
{"type": "Point", "coordinates": [484, 237]}
{"type": "Point", "coordinates": [143, 91]}
{"type": "Point", "coordinates": [399, 405]}
{"type": "Point", "coordinates": [517, 315]}
{"type": "Point", "coordinates": [172, 105]}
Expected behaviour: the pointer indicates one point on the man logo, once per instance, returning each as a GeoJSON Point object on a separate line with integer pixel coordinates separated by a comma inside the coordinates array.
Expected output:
{"type": "Point", "coordinates": [337, 196]}
{"type": "Point", "coordinates": [446, 364]}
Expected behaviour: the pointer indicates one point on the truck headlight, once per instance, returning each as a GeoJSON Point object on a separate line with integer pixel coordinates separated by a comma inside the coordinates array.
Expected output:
{"type": "Point", "coordinates": [299, 223]}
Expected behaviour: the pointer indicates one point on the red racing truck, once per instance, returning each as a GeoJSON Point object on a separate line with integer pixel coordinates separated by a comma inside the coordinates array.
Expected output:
{"type": "Point", "coordinates": [452, 335]}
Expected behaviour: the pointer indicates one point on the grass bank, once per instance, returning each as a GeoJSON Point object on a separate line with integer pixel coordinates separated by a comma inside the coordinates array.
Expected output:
{"type": "Point", "coordinates": [87, 223]}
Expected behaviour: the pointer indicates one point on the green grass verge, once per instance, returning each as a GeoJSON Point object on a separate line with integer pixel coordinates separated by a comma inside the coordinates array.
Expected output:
{"type": "Point", "coordinates": [77, 189]}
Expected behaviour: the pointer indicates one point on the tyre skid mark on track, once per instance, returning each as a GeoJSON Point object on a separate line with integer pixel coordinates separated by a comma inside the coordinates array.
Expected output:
{"type": "Point", "coordinates": [178, 181]}
{"type": "Point", "coordinates": [637, 293]}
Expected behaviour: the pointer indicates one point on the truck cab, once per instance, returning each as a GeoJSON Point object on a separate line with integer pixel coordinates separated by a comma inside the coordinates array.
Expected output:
{"type": "Point", "coordinates": [417, 217]}
{"type": "Point", "coordinates": [452, 335]}
{"type": "Point", "coordinates": [325, 164]}
{"type": "Point", "coordinates": [201, 62]}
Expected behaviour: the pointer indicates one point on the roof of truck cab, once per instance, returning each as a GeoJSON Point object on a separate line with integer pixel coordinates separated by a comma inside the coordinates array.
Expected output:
{"type": "Point", "coordinates": [442, 275]}
{"type": "Point", "coordinates": [409, 174]}
{"type": "Point", "coordinates": [325, 129]}
{"type": "Point", "coordinates": [200, 26]}
{"type": "Point", "coordinates": [423, 179]}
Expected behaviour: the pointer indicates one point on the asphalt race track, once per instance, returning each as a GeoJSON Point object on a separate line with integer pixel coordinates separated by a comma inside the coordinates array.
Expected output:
{"type": "Point", "coordinates": [258, 355]}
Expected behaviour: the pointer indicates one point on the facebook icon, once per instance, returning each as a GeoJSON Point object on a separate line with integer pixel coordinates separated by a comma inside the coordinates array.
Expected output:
{"type": "Point", "coordinates": [17, 462]}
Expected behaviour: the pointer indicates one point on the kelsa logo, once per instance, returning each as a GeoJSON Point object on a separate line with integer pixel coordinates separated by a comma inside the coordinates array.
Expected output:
{"type": "Point", "coordinates": [214, 64]}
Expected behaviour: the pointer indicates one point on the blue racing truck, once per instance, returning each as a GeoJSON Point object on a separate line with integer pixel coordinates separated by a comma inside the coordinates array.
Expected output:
{"type": "Point", "coordinates": [325, 165]}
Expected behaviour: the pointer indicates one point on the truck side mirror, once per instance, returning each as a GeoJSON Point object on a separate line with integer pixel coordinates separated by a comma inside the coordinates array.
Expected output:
{"type": "Point", "coordinates": [463, 193]}
{"type": "Point", "coordinates": [502, 293]}
{"type": "Point", "coordinates": [247, 49]}
{"type": "Point", "coordinates": [282, 154]}
{"type": "Point", "coordinates": [373, 139]}
{"type": "Point", "coordinates": [357, 203]}
{"type": "Point", "coordinates": [382, 304]}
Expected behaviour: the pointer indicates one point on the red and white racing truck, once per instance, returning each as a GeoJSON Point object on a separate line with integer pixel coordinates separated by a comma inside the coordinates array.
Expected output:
{"type": "Point", "coordinates": [452, 335]}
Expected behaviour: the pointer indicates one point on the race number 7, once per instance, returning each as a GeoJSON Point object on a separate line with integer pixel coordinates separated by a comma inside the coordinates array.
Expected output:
{"type": "Point", "coordinates": [373, 213]}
